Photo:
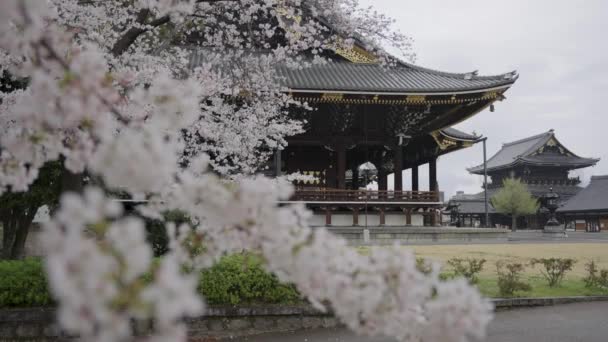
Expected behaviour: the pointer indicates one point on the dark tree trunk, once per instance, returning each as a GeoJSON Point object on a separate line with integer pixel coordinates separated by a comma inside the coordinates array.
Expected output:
{"type": "Point", "coordinates": [8, 233]}
{"type": "Point", "coordinates": [9, 224]}
{"type": "Point", "coordinates": [513, 222]}
{"type": "Point", "coordinates": [71, 182]}
{"type": "Point", "coordinates": [22, 231]}
{"type": "Point", "coordinates": [16, 224]}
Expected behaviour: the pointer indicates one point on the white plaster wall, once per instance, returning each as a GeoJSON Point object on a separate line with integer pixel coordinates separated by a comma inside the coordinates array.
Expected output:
{"type": "Point", "coordinates": [417, 220]}
{"type": "Point", "coordinates": [373, 219]}
{"type": "Point", "coordinates": [341, 220]}
{"type": "Point", "coordinates": [395, 219]}
{"type": "Point", "coordinates": [317, 220]}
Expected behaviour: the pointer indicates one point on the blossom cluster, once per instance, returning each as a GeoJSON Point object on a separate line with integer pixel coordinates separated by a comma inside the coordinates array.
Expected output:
{"type": "Point", "coordinates": [110, 91]}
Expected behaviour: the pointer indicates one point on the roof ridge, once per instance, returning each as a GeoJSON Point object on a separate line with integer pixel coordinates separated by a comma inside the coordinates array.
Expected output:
{"type": "Point", "coordinates": [548, 134]}
{"type": "Point", "coordinates": [513, 74]}
{"type": "Point", "coordinates": [537, 136]}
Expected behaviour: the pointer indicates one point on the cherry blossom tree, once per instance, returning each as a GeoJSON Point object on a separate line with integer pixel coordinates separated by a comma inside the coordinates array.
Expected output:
{"type": "Point", "coordinates": [111, 92]}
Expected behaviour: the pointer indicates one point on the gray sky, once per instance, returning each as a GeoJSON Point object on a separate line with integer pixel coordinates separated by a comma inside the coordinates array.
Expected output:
{"type": "Point", "coordinates": [558, 47]}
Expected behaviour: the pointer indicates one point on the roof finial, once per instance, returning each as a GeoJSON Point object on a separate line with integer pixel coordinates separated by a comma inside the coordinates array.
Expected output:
{"type": "Point", "coordinates": [551, 130]}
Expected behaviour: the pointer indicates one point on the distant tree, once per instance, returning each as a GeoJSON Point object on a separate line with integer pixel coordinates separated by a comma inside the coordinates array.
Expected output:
{"type": "Point", "coordinates": [17, 209]}
{"type": "Point", "coordinates": [515, 200]}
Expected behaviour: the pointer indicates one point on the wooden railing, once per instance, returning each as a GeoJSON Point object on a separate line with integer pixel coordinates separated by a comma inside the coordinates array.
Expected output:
{"type": "Point", "coordinates": [343, 196]}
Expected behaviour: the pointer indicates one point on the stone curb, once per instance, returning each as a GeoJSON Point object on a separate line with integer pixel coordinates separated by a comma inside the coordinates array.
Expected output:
{"type": "Point", "coordinates": [38, 324]}
{"type": "Point", "coordinates": [44, 314]}
{"type": "Point", "coordinates": [48, 313]}
{"type": "Point", "coordinates": [512, 303]}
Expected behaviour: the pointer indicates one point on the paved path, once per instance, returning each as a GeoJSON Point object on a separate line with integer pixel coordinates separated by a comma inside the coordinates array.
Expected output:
{"type": "Point", "coordinates": [576, 237]}
{"type": "Point", "coordinates": [585, 322]}
{"type": "Point", "coordinates": [525, 237]}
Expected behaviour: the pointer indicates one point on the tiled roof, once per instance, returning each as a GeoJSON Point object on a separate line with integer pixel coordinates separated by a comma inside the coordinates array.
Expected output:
{"type": "Point", "coordinates": [592, 198]}
{"type": "Point", "coordinates": [473, 206]}
{"type": "Point", "coordinates": [458, 134]}
{"type": "Point", "coordinates": [521, 151]}
{"type": "Point", "coordinates": [404, 78]}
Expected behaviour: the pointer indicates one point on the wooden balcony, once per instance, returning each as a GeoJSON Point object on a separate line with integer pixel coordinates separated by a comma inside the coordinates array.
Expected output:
{"type": "Point", "coordinates": [358, 197]}
{"type": "Point", "coordinates": [378, 206]}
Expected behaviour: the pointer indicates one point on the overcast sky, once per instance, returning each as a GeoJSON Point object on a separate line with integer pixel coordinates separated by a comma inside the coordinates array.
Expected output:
{"type": "Point", "coordinates": [559, 48]}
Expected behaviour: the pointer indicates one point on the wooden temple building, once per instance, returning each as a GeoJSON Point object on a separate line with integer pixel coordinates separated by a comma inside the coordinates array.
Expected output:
{"type": "Point", "coordinates": [395, 118]}
{"type": "Point", "coordinates": [587, 210]}
{"type": "Point", "coordinates": [541, 162]}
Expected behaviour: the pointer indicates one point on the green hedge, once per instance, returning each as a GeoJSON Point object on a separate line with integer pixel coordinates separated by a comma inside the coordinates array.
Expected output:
{"type": "Point", "coordinates": [240, 279]}
{"type": "Point", "coordinates": [236, 279]}
{"type": "Point", "coordinates": [23, 283]}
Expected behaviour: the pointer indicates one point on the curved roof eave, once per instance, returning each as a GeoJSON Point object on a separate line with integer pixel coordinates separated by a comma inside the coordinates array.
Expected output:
{"type": "Point", "coordinates": [401, 93]}
{"type": "Point", "coordinates": [470, 138]}
{"type": "Point", "coordinates": [522, 161]}
{"type": "Point", "coordinates": [584, 162]}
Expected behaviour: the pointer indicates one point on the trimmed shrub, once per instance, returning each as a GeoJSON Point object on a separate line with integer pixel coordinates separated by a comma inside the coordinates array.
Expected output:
{"type": "Point", "coordinates": [23, 284]}
{"type": "Point", "coordinates": [241, 279]}
{"type": "Point", "coordinates": [554, 269]}
{"type": "Point", "coordinates": [468, 268]}
{"type": "Point", "coordinates": [510, 278]}
{"type": "Point", "coordinates": [595, 277]}
{"type": "Point", "coordinates": [424, 266]}
{"type": "Point", "coordinates": [236, 279]}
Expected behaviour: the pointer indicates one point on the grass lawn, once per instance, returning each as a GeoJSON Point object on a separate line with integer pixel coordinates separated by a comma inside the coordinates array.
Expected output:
{"type": "Point", "coordinates": [571, 286]}
{"type": "Point", "coordinates": [523, 253]}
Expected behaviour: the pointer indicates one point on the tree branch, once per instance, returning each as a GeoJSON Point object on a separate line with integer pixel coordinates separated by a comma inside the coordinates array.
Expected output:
{"type": "Point", "coordinates": [133, 33]}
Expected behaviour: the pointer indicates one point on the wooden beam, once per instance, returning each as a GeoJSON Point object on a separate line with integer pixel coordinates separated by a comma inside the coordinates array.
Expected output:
{"type": "Point", "coordinates": [415, 185]}
{"type": "Point", "coordinates": [277, 163]}
{"type": "Point", "coordinates": [433, 186]}
{"type": "Point", "coordinates": [398, 162]}
{"type": "Point", "coordinates": [408, 217]}
{"type": "Point", "coordinates": [341, 155]}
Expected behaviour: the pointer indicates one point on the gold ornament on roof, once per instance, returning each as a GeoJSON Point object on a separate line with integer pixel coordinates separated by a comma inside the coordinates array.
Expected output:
{"type": "Point", "coordinates": [416, 99]}
{"type": "Point", "coordinates": [356, 54]}
{"type": "Point", "coordinates": [329, 97]}
{"type": "Point", "coordinates": [443, 142]}
{"type": "Point", "coordinates": [489, 95]}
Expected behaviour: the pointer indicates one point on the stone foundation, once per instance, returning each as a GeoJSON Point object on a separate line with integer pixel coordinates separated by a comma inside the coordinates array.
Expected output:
{"type": "Point", "coordinates": [223, 322]}
{"type": "Point", "coordinates": [380, 236]}
{"type": "Point", "coordinates": [38, 324]}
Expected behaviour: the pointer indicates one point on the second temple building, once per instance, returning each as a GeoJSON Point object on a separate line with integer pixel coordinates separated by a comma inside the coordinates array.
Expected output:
{"type": "Point", "coordinates": [541, 162]}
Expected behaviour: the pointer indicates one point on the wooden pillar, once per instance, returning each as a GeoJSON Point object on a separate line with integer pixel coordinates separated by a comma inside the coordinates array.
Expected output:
{"type": "Point", "coordinates": [382, 183]}
{"type": "Point", "coordinates": [355, 178]}
{"type": "Point", "coordinates": [341, 170]}
{"type": "Point", "coordinates": [382, 216]}
{"type": "Point", "coordinates": [415, 178]}
{"type": "Point", "coordinates": [355, 216]}
{"type": "Point", "coordinates": [328, 216]}
{"type": "Point", "coordinates": [433, 175]}
{"type": "Point", "coordinates": [433, 217]}
{"type": "Point", "coordinates": [398, 162]}
{"type": "Point", "coordinates": [277, 163]}
{"type": "Point", "coordinates": [408, 217]}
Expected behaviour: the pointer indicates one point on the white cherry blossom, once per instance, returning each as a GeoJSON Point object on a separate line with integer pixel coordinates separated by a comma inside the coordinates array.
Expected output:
{"type": "Point", "coordinates": [111, 92]}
